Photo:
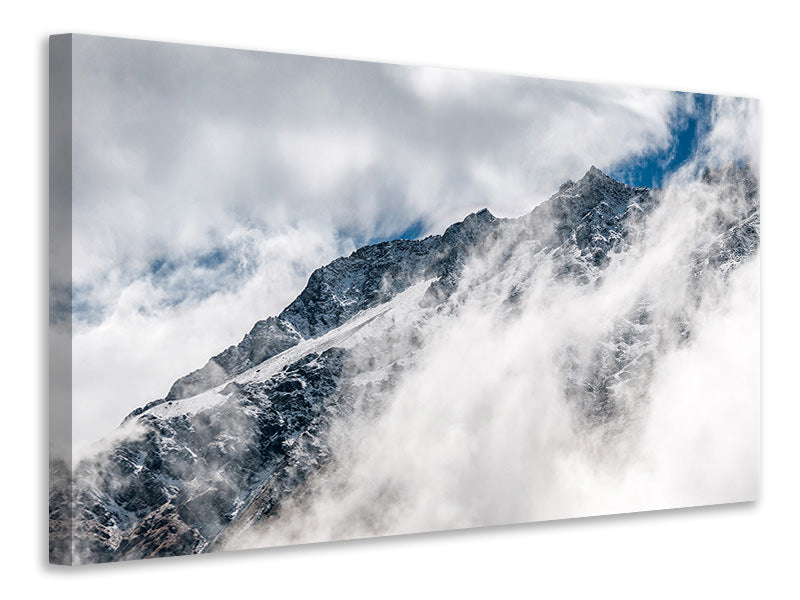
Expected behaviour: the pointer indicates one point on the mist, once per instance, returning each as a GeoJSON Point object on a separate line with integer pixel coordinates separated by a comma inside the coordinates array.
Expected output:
{"type": "Point", "coordinates": [489, 421]}
{"type": "Point", "coordinates": [279, 164]}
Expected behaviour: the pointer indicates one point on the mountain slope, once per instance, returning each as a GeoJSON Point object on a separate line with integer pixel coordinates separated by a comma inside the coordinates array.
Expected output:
{"type": "Point", "coordinates": [233, 440]}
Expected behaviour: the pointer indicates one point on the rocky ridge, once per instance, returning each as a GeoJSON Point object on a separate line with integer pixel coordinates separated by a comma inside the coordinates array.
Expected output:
{"type": "Point", "coordinates": [231, 440]}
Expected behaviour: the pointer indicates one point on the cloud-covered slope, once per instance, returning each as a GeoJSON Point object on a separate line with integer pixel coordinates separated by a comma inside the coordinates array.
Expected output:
{"type": "Point", "coordinates": [293, 433]}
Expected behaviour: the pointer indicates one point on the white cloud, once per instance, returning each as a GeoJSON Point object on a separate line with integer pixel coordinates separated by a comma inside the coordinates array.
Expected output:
{"type": "Point", "coordinates": [736, 135]}
{"type": "Point", "coordinates": [145, 342]}
{"type": "Point", "coordinates": [321, 160]}
{"type": "Point", "coordinates": [481, 431]}
{"type": "Point", "coordinates": [435, 84]}
{"type": "Point", "coordinates": [178, 148]}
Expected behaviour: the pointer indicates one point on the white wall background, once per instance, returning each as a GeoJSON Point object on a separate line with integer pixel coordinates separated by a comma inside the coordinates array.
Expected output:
{"type": "Point", "coordinates": [731, 48]}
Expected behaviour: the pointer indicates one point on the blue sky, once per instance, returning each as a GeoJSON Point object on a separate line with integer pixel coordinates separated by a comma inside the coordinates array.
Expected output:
{"type": "Point", "coordinates": [687, 128]}
{"type": "Point", "coordinates": [412, 232]}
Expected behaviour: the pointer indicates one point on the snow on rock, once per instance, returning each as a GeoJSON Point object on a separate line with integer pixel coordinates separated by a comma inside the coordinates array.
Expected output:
{"type": "Point", "coordinates": [231, 440]}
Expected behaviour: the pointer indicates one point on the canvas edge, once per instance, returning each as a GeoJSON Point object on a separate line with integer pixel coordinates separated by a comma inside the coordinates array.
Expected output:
{"type": "Point", "coordinates": [59, 395]}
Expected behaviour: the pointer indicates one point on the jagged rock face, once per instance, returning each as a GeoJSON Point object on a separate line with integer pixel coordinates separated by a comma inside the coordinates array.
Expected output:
{"type": "Point", "coordinates": [369, 276]}
{"type": "Point", "coordinates": [334, 293]}
{"type": "Point", "coordinates": [60, 525]}
{"type": "Point", "coordinates": [232, 440]}
{"type": "Point", "coordinates": [737, 227]}
{"type": "Point", "coordinates": [179, 480]}
{"type": "Point", "coordinates": [267, 338]}
{"type": "Point", "coordinates": [590, 220]}
{"type": "Point", "coordinates": [584, 213]}
{"type": "Point", "coordinates": [613, 380]}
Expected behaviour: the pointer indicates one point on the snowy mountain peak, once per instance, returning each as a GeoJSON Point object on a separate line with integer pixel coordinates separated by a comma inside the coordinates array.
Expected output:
{"type": "Point", "coordinates": [374, 274]}
{"type": "Point", "coordinates": [236, 438]}
{"type": "Point", "coordinates": [595, 172]}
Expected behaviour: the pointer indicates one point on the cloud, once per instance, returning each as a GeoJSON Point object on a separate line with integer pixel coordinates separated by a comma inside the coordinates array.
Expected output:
{"type": "Point", "coordinates": [736, 133]}
{"type": "Point", "coordinates": [480, 434]}
{"type": "Point", "coordinates": [281, 163]}
{"type": "Point", "coordinates": [154, 331]}
{"type": "Point", "coordinates": [481, 428]}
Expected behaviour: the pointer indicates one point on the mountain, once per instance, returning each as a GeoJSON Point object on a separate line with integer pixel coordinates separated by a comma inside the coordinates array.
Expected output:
{"type": "Point", "coordinates": [231, 442]}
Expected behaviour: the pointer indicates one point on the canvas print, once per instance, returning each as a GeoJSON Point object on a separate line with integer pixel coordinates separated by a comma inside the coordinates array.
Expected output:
{"type": "Point", "coordinates": [298, 299]}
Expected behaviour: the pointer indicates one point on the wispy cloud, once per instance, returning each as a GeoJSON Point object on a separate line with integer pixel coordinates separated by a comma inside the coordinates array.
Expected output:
{"type": "Point", "coordinates": [209, 183]}
{"type": "Point", "coordinates": [481, 429]}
